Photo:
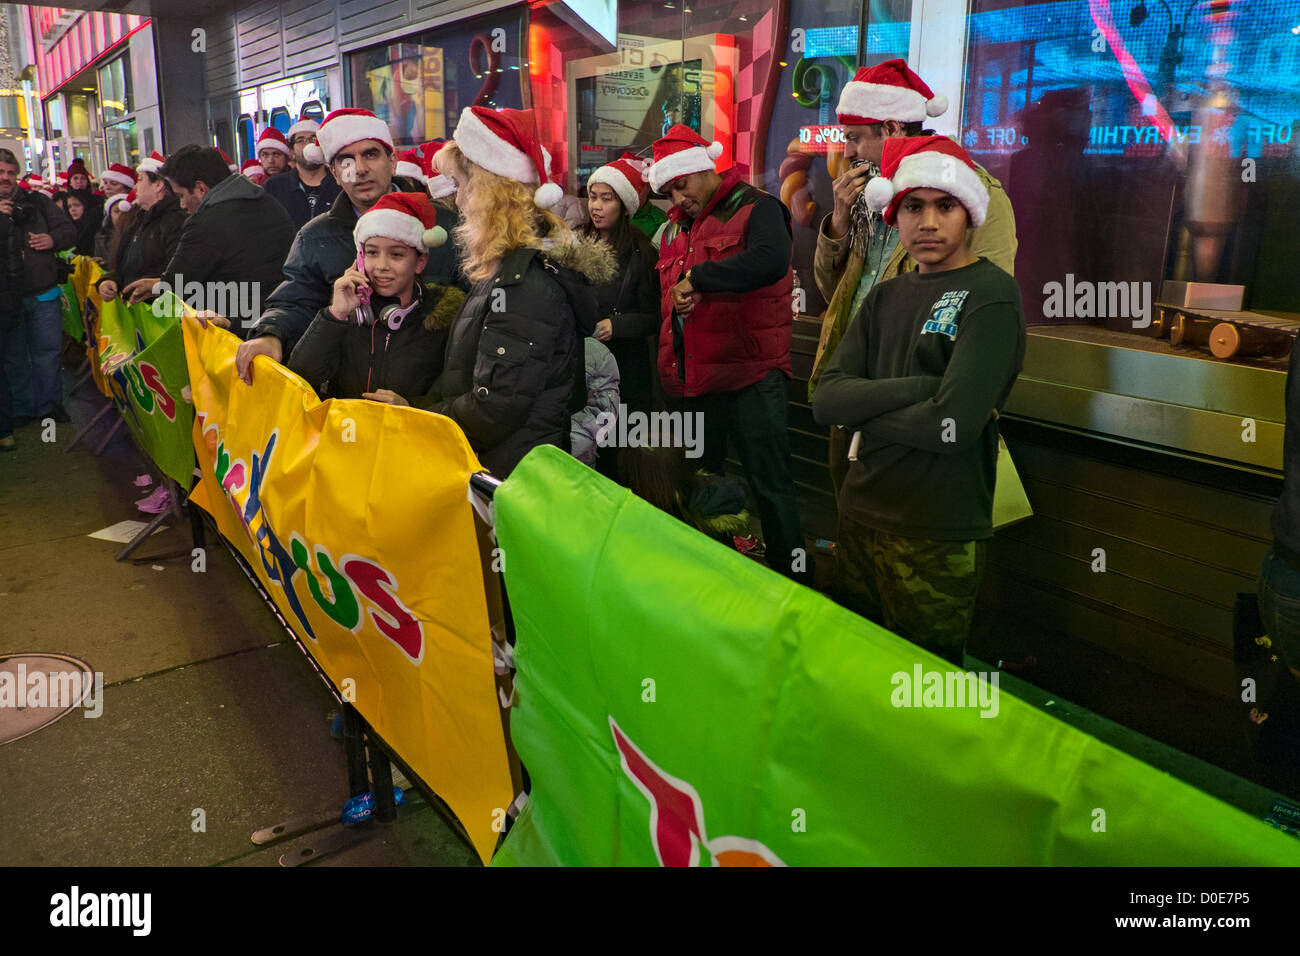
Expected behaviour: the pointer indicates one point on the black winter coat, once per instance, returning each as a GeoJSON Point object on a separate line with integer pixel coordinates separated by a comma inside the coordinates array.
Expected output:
{"type": "Point", "coordinates": [150, 242]}
{"type": "Point", "coordinates": [514, 371]}
{"type": "Point", "coordinates": [289, 192]}
{"type": "Point", "coordinates": [238, 234]}
{"type": "Point", "coordinates": [351, 359]}
{"type": "Point", "coordinates": [321, 252]}
{"type": "Point", "coordinates": [631, 302]}
{"type": "Point", "coordinates": [35, 214]}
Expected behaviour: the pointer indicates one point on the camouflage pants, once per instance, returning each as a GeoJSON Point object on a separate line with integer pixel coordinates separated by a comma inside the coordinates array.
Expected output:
{"type": "Point", "coordinates": [921, 589]}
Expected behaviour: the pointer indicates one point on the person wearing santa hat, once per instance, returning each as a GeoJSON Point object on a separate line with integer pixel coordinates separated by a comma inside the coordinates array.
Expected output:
{"type": "Point", "coordinates": [273, 151]}
{"type": "Point", "coordinates": [147, 237]}
{"type": "Point", "coordinates": [358, 148]}
{"type": "Point", "coordinates": [115, 209]}
{"type": "Point", "coordinates": [92, 203]}
{"type": "Point", "coordinates": [382, 335]}
{"type": "Point", "coordinates": [307, 188]}
{"type": "Point", "coordinates": [857, 250]}
{"type": "Point", "coordinates": [118, 180]}
{"type": "Point", "coordinates": [215, 248]}
{"type": "Point", "coordinates": [253, 171]}
{"type": "Point", "coordinates": [724, 345]}
{"type": "Point", "coordinates": [921, 375]}
{"type": "Point", "coordinates": [514, 370]}
{"type": "Point", "coordinates": [629, 304]}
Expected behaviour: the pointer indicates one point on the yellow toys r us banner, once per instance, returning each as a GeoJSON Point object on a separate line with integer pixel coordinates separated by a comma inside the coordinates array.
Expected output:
{"type": "Point", "coordinates": [354, 516]}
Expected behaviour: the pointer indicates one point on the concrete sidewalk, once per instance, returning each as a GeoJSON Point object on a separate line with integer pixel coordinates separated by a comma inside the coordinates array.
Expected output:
{"type": "Point", "coordinates": [208, 705]}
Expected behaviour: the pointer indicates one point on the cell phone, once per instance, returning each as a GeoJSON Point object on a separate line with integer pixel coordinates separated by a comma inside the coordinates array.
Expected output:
{"type": "Point", "coordinates": [364, 293]}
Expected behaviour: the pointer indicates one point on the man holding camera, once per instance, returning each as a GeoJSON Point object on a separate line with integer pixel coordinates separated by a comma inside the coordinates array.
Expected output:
{"type": "Point", "coordinates": [32, 229]}
{"type": "Point", "coordinates": [857, 249]}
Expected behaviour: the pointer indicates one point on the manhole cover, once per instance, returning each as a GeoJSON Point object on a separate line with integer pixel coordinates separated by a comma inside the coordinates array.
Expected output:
{"type": "Point", "coordinates": [38, 689]}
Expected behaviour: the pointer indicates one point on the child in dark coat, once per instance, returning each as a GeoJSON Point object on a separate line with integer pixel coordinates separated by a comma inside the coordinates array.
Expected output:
{"type": "Point", "coordinates": [382, 337]}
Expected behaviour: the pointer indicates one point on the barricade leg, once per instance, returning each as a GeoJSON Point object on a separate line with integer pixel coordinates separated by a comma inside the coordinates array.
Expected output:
{"type": "Point", "coordinates": [99, 449]}
{"type": "Point", "coordinates": [354, 746]}
{"type": "Point", "coordinates": [381, 776]}
{"type": "Point", "coordinates": [81, 432]}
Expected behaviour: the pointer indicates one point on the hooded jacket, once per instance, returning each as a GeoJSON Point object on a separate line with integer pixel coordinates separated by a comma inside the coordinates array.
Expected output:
{"type": "Point", "coordinates": [514, 371]}
{"type": "Point", "coordinates": [354, 359]}
{"type": "Point", "coordinates": [602, 399]}
{"type": "Point", "coordinates": [238, 234]}
{"type": "Point", "coordinates": [149, 242]}
{"type": "Point", "coordinates": [321, 252]}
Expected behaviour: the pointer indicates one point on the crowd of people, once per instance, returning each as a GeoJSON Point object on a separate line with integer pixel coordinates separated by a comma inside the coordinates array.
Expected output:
{"type": "Point", "coordinates": [456, 277]}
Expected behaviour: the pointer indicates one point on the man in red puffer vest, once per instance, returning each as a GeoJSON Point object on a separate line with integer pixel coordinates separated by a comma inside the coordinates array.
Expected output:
{"type": "Point", "coordinates": [724, 347]}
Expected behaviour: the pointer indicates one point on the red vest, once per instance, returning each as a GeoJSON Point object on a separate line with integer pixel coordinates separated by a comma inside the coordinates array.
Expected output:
{"type": "Point", "coordinates": [733, 339]}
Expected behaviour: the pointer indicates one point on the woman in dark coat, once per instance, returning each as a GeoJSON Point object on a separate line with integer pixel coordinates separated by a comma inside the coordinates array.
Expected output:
{"type": "Point", "coordinates": [629, 303]}
{"type": "Point", "coordinates": [145, 245]}
{"type": "Point", "coordinates": [80, 216]}
{"type": "Point", "coordinates": [514, 371]}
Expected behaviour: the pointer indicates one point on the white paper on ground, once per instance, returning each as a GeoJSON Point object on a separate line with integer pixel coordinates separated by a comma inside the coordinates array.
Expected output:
{"type": "Point", "coordinates": [123, 531]}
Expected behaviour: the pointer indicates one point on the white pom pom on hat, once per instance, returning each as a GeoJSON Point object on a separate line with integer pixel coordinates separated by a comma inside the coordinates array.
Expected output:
{"type": "Point", "coordinates": [879, 193]}
{"type": "Point", "coordinates": [936, 105]}
{"type": "Point", "coordinates": [547, 195]}
{"type": "Point", "coordinates": [714, 150]}
{"type": "Point", "coordinates": [435, 237]}
{"type": "Point", "coordinates": [314, 154]}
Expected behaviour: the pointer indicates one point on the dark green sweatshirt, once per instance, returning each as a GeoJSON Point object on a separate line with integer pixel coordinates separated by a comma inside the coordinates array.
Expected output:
{"type": "Point", "coordinates": [919, 373]}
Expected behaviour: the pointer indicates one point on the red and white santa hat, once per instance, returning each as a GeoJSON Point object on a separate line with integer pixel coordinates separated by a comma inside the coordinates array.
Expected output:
{"type": "Point", "coordinates": [152, 163]}
{"type": "Point", "coordinates": [272, 138]}
{"type": "Point", "coordinates": [626, 176]}
{"type": "Point", "coordinates": [125, 200]}
{"type": "Point", "coordinates": [506, 142]}
{"type": "Point", "coordinates": [439, 184]}
{"type": "Point", "coordinates": [926, 162]}
{"type": "Point", "coordinates": [120, 174]}
{"type": "Point", "coordinates": [888, 91]}
{"type": "Point", "coordinates": [229, 162]}
{"type": "Point", "coordinates": [408, 164]}
{"type": "Point", "coordinates": [680, 152]}
{"type": "Point", "coordinates": [403, 217]}
{"type": "Point", "coordinates": [253, 167]}
{"type": "Point", "coordinates": [341, 129]}
{"type": "Point", "coordinates": [302, 126]}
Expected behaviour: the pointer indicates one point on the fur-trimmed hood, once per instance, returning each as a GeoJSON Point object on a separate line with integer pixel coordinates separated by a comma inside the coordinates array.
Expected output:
{"type": "Point", "coordinates": [589, 256]}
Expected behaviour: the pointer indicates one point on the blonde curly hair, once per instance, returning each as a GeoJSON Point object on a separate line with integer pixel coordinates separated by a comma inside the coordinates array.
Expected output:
{"type": "Point", "coordinates": [497, 215]}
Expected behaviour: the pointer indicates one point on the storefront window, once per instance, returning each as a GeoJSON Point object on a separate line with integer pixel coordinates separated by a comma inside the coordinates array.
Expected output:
{"type": "Point", "coordinates": [54, 118]}
{"type": "Point", "coordinates": [279, 104]}
{"type": "Point", "coordinates": [115, 89]}
{"type": "Point", "coordinates": [1141, 142]}
{"type": "Point", "coordinates": [419, 85]}
{"type": "Point", "coordinates": [123, 143]}
{"type": "Point", "coordinates": [79, 107]}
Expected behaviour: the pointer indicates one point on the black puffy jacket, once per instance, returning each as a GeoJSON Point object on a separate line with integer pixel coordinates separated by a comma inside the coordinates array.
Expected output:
{"type": "Point", "coordinates": [514, 360]}
{"type": "Point", "coordinates": [352, 359]}
{"type": "Point", "coordinates": [11, 267]}
{"type": "Point", "coordinates": [321, 252]}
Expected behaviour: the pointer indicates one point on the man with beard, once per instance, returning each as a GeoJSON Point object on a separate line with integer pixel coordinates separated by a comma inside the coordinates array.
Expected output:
{"type": "Point", "coordinates": [307, 189]}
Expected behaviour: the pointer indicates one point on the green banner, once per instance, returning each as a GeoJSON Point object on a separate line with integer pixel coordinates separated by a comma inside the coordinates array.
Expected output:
{"type": "Point", "coordinates": [680, 704]}
{"type": "Point", "coordinates": [143, 360]}
{"type": "Point", "coordinates": [71, 311]}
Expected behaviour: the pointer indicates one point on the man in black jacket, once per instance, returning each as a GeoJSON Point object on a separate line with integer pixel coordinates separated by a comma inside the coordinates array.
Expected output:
{"type": "Point", "coordinates": [308, 188]}
{"type": "Point", "coordinates": [33, 230]}
{"type": "Point", "coordinates": [233, 246]}
{"type": "Point", "coordinates": [358, 148]}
